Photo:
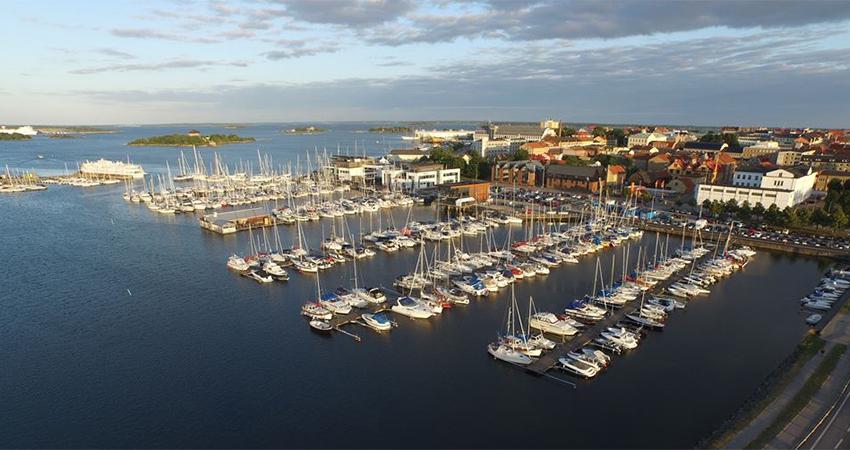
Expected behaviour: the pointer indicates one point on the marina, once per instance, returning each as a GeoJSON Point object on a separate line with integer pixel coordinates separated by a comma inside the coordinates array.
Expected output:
{"type": "Point", "coordinates": [212, 322]}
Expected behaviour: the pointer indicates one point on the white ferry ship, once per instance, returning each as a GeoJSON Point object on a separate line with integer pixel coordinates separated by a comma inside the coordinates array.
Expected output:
{"type": "Point", "coordinates": [26, 130]}
{"type": "Point", "coordinates": [107, 168]}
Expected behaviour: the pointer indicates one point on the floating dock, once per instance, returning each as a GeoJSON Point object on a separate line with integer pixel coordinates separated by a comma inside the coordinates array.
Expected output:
{"type": "Point", "coordinates": [229, 222]}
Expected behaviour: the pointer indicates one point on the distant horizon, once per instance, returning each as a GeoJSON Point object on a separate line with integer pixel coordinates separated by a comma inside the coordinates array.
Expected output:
{"type": "Point", "coordinates": [414, 121]}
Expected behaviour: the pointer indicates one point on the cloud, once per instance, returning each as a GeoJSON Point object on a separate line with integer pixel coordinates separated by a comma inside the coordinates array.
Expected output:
{"type": "Point", "coordinates": [147, 33]}
{"type": "Point", "coordinates": [150, 67]}
{"type": "Point", "coordinates": [296, 48]}
{"type": "Point", "coordinates": [350, 13]}
{"type": "Point", "coordinates": [761, 78]}
{"type": "Point", "coordinates": [114, 53]}
{"type": "Point", "coordinates": [585, 19]}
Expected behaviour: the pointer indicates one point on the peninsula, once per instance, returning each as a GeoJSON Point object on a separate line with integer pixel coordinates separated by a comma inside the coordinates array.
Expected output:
{"type": "Point", "coordinates": [14, 137]}
{"type": "Point", "coordinates": [190, 139]}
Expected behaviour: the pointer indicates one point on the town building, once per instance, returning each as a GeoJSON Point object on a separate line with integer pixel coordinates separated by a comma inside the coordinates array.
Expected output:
{"type": "Point", "coordinates": [704, 147]}
{"type": "Point", "coordinates": [520, 173]}
{"type": "Point", "coordinates": [638, 139]}
{"type": "Point", "coordinates": [586, 178]}
{"type": "Point", "coordinates": [827, 176]}
{"type": "Point", "coordinates": [783, 187]}
{"type": "Point", "coordinates": [830, 161]}
{"type": "Point", "coordinates": [760, 149]}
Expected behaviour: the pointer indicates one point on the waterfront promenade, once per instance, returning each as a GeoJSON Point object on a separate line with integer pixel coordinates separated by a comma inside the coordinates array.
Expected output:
{"type": "Point", "coordinates": [825, 420]}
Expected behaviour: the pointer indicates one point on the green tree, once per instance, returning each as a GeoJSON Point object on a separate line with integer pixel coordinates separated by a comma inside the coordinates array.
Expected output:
{"type": "Point", "coordinates": [716, 208]}
{"type": "Point", "coordinates": [567, 131]}
{"type": "Point", "coordinates": [804, 216]}
{"type": "Point", "coordinates": [790, 217]}
{"type": "Point", "coordinates": [599, 131]}
{"type": "Point", "coordinates": [706, 205]}
{"type": "Point", "coordinates": [759, 210]}
{"type": "Point", "coordinates": [619, 134]}
{"type": "Point", "coordinates": [773, 216]}
{"type": "Point", "coordinates": [745, 212]}
{"type": "Point", "coordinates": [838, 219]}
{"type": "Point", "coordinates": [731, 207]}
{"type": "Point", "coordinates": [520, 155]}
{"type": "Point", "coordinates": [821, 218]}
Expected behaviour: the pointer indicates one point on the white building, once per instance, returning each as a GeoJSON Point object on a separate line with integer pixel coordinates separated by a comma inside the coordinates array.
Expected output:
{"type": "Point", "coordinates": [496, 148]}
{"type": "Point", "coordinates": [645, 138]}
{"type": "Point", "coordinates": [424, 135]}
{"type": "Point", "coordinates": [420, 176]}
{"type": "Point", "coordinates": [782, 187]}
{"type": "Point", "coordinates": [406, 154]}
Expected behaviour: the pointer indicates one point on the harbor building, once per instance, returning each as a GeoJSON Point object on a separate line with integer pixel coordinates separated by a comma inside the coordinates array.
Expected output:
{"type": "Point", "coordinates": [229, 222]}
{"type": "Point", "coordinates": [418, 176]}
{"type": "Point", "coordinates": [465, 191]}
{"type": "Point", "coordinates": [783, 187]}
{"type": "Point", "coordinates": [442, 135]}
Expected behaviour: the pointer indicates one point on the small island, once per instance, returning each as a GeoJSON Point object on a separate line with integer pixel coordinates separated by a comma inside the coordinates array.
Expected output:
{"type": "Point", "coordinates": [191, 138]}
{"type": "Point", "coordinates": [390, 130]}
{"type": "Point", "coordinates": [305, 130]}
{"type": "Point", "coordinates": [64, 136]}
{"type": "Point", "coordinates": [14, 137]}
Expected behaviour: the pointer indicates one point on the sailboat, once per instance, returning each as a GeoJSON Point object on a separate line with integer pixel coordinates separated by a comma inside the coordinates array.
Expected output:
{"type": "Point", "coordinates": [508, 349]}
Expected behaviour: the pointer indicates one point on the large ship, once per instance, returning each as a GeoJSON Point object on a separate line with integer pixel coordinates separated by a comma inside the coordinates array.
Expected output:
{"type": "Point", "coordinates": [112, 169]}
{"type": "Point", "coordinates": [26, 130]}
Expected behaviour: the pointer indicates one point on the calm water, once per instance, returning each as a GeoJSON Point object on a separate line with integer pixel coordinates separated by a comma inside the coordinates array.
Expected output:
{"type": "Point", "coordinates": [123, 328]}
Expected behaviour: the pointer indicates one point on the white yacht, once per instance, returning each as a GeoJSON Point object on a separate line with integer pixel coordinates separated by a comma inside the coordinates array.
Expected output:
{"type": "Point", "coordinates": [411, 307]}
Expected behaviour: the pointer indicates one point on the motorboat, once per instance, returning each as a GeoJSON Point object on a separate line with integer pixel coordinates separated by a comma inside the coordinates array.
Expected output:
{"type": "Point", "coordinates": [275, 270]}
{"type": "Point", "coordinates": [578, 367]}
{"type": "Point", "coordinates": [351, 298]}
{"type": "Point", "coordinates": [411, 307]}
{"type": "Point", "coordinates": [259, 277]}
{"type": "Point", "coordinates": [378, 321]}
{"type": "Point", "coordinates": [237, 263]}
{"type": "Point", "coordinates": [813, 319]}
{"type": "Point", "coordinates": [507, 354]}
{"type": "Point", "coordinates": [334, 303]}
{"type": "Point", "coordinates": [621, 337]}
{"type": "Point", "coordinates": [550, 323]}
{"type": "Point", "coordinates": [454, 295]}
{"type": "Point", "coordinates": [371, 295]}
{"type": "Point", "coordinates": [320, 325]}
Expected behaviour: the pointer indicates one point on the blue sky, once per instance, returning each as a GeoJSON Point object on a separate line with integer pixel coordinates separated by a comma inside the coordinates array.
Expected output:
{"type": "Point", "coordinates": [781, 63]}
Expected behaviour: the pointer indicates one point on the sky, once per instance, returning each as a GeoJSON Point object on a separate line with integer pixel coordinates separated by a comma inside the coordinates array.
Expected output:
{"type": "Point", "coordinates": [766, 62]}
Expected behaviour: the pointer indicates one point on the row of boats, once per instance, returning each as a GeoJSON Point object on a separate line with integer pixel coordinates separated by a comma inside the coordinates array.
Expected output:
{"type": "Point", "coordinates": [829, 290]}
{"type": "Point", "coordinates": [693, 275]}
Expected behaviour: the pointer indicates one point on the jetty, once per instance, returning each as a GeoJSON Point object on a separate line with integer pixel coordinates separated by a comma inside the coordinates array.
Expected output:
{"type": "Point", "coordinates": [550, 359]}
